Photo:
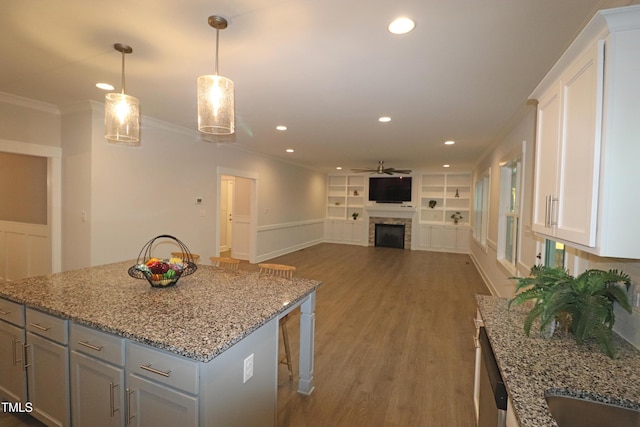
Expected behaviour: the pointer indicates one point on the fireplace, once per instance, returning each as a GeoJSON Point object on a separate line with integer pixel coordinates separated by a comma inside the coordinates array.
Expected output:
{"type": "Point", "coordinates": [401, 227]}
{"type": "Point", "coordinates": [389, 235]}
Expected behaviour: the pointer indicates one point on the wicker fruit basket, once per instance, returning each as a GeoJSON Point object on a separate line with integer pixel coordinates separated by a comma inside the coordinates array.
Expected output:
{"type": "Point", "coordinates": [162, 273]}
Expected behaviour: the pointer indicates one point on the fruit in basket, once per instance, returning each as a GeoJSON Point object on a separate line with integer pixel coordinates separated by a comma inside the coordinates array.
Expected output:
{"type": "Point", "coordinates": [158, 267]}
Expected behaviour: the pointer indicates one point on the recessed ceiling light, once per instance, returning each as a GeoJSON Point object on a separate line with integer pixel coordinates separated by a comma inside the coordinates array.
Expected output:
{"type": "Point", "coordinates": [445, 166]}
{"type": "Point", "coordinates": [401, 26]}
{"type": "Point", "coordinates": [384, 119]}
{"type": "Point", "coordinates": [449, 142]}
{"type": "Point", "coordinates": [290, 150]}
{"type": "Point", "coordinates": [281, 127]}
{"type": "Point", "coordinates": [339, 168]}
{"type": "Point", "coordinates": [104, 86]}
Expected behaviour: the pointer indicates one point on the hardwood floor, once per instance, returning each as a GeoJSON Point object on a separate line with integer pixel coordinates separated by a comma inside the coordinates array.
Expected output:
{"type": "Point", "coordinates": [393, 340]}
{"type": "Point", "coordinates": [393, 343]}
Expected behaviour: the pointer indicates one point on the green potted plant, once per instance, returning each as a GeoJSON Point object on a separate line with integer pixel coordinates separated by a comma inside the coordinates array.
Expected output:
{"type": "Point", "coordinates": [583, 305]}
{"type": "Point", "coordinates": [456, 217]}
{"type": "Point", "coordinates": [355, 215]}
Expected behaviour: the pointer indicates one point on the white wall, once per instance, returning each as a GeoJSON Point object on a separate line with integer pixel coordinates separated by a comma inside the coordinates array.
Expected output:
{"type": "Point", "coordinates": [496, 277]}
{"type": "Point", "coordinates": [132, 194]}
{"type": "Point", "coordinates": [510, 143]}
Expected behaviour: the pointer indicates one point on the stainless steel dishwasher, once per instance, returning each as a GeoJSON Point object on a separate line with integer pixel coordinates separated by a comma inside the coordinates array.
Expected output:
{"type": "Point", "coordinates": [493, 393]}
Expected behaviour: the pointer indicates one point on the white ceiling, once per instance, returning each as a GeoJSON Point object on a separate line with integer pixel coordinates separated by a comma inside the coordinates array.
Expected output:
{"type": "Point", "coordinates": [327, 69]}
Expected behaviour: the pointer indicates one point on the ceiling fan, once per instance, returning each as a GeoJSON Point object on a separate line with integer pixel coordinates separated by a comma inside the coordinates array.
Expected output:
{"type": "Point", "coordinates": [381, 169]}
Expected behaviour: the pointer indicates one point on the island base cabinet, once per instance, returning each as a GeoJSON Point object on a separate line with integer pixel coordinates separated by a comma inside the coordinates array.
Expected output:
{"type": "Point", "coordinates": [150, 405]}
{"type": "Point", "coordinates": [97, 392]}
{"type": "Point", "coordinates": [13, 382]}
{"type": "Point", "coordinates": [48, 380]}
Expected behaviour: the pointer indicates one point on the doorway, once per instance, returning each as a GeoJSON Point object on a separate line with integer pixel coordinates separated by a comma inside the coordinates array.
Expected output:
{"type": "Point", "coordinates": [237, 214]}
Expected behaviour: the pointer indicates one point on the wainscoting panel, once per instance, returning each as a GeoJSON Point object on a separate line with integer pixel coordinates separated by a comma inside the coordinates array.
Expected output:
{"type": "Point", "coordinates": [280, 239]}
{"type": "Point", "coordinates": [25, 250]}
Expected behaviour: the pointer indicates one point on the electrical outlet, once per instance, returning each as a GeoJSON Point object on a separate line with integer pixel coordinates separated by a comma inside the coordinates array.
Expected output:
{"type": "Point", "coordinates": [248, 368]}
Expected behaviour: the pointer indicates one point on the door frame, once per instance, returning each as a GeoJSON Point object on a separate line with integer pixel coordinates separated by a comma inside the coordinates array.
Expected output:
{"type": "Point", "coordinates": [54, 176]}
{"type": "Point", "coordinates": [253, 214]}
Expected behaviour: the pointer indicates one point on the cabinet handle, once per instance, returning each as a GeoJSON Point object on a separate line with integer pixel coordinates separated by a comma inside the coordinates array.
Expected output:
{"type": "Point", "coordinates": [4, 313]}
{"type": "Point", "coordinates": [553, 211]}
{"type": "Point", "coordinates": [129, 416]}
{"type": "Point", "coordinates": [546, 211]}
{"type": "Point", "coordinates": [91, 346]}
{"type": "Point", "coordinates": [25, 365]}
{"type": "Point", "coordinates": [155, 371]}
{"type": "Point", "coordinates": [15, 349]}
{"type": "Point", "coordinates": [112, 399]}
{"type": "Point", "coordinates": [39, 326]}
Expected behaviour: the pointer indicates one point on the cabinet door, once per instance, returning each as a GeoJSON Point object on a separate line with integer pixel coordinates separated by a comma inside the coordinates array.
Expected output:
{"type": "Point", "coordinates": [150, 405]}
{"type": "Point", "coordinates": [575, 211]}
{"type": "Point", "coordinates": [547, 152]}
{"type": "Point", "coordinates": [13, 381]}
{"type": "Point", "coordinates": [97, 392]}
{"type": "Point", "coordinates": [48, 380]}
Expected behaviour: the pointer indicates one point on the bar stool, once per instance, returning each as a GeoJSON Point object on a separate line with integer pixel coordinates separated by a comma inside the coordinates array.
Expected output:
{"type": "Point", "coordinates": [286, 271]}
{"type": "Point", "coordinates": [185, 256]}
{"type": "Point", "coordinates": [225, 263]}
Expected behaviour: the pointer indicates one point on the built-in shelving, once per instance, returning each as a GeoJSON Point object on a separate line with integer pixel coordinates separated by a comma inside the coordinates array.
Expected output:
{"type": "Point", "coordinates": [451, 193]}
{"type": "Point", "coordinates": [345, 196]}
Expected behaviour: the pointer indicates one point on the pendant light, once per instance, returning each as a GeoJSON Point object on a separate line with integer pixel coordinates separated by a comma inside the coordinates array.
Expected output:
{"type": "Point", "coordinates": [216, 109]}
{"type": "Point", "coordinates": [122, 112]}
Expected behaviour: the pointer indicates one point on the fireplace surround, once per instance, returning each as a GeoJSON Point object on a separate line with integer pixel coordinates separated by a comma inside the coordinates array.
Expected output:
{"type": "Point", "coordinates": [405, 222]}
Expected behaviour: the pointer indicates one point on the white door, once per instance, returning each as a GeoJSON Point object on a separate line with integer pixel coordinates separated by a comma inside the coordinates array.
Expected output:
{"type": "Point", "coordinates": [226, 212]}
{"type": "Point", "coordinates": [240, 238]}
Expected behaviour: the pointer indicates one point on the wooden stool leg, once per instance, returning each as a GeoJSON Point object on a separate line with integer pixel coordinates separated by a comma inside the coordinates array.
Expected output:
{"type": "Point", "coordinates": [287, 351]}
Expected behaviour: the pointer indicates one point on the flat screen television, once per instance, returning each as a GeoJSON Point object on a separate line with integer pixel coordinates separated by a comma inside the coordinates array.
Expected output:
{"type": "Point", "coordinates": [395, 189]}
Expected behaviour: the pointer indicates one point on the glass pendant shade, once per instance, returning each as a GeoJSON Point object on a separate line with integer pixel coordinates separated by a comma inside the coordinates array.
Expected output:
{"type": "Point", "coordinates": [122, 119]}
{"type": "Point", "coordinates": [216, 108]}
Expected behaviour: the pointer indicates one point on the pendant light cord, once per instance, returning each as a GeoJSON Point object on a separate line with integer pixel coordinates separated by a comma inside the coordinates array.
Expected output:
{"type": "Point", "coordinates": [123, 72]}
{"type": "Point", "coordinates": [216, 64]}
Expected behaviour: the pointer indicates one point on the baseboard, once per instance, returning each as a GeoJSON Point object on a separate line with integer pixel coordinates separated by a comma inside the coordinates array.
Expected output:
{"type": "Point", "coordinates": [284, 251]}
{"type": "Point", "coordinates": [483, 274]}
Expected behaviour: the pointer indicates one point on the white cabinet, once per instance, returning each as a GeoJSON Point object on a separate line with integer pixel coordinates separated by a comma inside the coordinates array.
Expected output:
{"type": "Point", "coordinates": [161, 388]}
{"type": "Point", "coordinates": [568, 152]}
{"type": "Point", "coordinates": [345, 231]}
{"type": "Point", "coordinates": [47, 366]}
{"type": "Point", "coordinates": [587, 134]}
{"type": "Point", "coordinates": [444, 238]}
{"type": "Point", "coordinates": [97, 378]}
{"type": "Point", "coordinates": [13, 382]}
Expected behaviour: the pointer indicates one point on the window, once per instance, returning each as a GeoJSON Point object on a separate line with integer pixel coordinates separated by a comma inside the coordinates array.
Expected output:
{"type": "Point", "coordinates": [481, 209]}
{"type": "Point", "coordinates": [553, 254]}
{"type": "Point", "coordinates": [509, 220]}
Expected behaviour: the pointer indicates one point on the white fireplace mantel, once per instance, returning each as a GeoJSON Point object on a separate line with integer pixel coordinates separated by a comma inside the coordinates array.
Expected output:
{"type": "Point", "coordinates": [391, 211]}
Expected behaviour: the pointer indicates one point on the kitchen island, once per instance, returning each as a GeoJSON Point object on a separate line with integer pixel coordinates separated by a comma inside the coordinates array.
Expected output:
{"type": "Point", "coordinates": [534, 366]}
{"type": "Point", "coordinates": [195, 341]}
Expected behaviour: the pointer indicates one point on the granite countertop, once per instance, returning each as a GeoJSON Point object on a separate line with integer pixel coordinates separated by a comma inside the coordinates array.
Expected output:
{"type": "Point", "coordinates": [534, 365]}
{"type": "Point", "coordinates": [200, 317]}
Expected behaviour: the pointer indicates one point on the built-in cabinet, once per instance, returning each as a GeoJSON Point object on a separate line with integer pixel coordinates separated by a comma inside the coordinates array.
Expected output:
{"type": "Point", "coordinates": [13, 380]}
{"type": "Point", "coordinates": [437, 197]}
{"type": "Point", "coordinates": [442, 195]}
{"type": "Point", "coordinates": [107, 380]}
{"type": "Point", "coordinates": [97, 378]}
{"type": "Point", "coordinates": [587, 134]}
{"type": "Point", "coordinates": [34, 362]}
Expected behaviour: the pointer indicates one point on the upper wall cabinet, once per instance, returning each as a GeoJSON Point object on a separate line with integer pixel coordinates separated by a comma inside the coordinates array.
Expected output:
{"type": "Point", "coordinates": [587, 162]}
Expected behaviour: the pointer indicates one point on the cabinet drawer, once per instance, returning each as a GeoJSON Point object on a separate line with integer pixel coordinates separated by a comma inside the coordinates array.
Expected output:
{"type": "Point", "coordinates": [12, 312]}
{"type": "Point", "coordinates": [47, 326]}
{"type": "Point", "coordinates": [98, 344]}
{"type": "Point", "coordinates": [162, 367]}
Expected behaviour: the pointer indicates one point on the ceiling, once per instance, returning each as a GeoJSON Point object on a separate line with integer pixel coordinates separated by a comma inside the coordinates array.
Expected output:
{"type": "Point", "coordinates": [327, 69]}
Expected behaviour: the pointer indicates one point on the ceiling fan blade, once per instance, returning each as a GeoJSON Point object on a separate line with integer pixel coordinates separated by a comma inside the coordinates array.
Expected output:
{"type": "Point", "coordinates": [402, 171]}
{"type": "Point", "coordinates": [363, 170]}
